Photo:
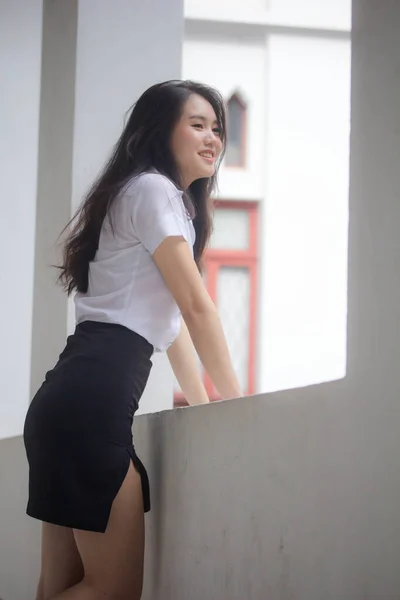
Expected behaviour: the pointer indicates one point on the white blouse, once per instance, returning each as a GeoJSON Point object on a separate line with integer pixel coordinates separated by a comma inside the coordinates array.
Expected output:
{"type": "Point", "coordinates": [125, 285]}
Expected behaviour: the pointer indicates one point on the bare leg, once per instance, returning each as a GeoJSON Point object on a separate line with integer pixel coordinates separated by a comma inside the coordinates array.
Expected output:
{"type": "Point", "coordinates": [61, 564]}
{"type": "Point", "coordinates": [113, 561]}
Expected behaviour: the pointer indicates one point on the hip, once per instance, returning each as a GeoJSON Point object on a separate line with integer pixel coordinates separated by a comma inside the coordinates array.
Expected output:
{"type": "Point", "coordinates": [96, 385]}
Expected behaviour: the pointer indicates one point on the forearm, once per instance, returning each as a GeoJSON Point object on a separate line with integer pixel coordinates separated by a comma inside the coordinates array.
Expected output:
{"type": "Point", "coordinates": [209, 340]}
{"type": "Point", "coordinates": [184, 364]}
{"type": "Point", "coordinates": [174, 259]}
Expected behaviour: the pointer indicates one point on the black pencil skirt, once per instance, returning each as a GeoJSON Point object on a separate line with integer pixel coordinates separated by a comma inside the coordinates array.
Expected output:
{"type": "Point", "coordinates": [78, 429]}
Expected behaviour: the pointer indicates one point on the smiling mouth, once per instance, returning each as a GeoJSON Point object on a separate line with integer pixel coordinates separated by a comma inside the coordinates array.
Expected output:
{"type": "Point", "coordinates": [209, 156]}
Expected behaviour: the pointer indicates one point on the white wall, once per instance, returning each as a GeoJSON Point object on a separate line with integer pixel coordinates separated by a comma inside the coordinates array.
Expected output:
{"type": "Point", "coordinates": [304, 221]}
{"type": "Point", "coordinates": [122, 50]}
{"type": "Point", "coordinates": [222, 9]}
{"type": "Point", "coordinates": [20, 60]}
{"type": "Point", "coordinates": [321, 14]}
{"type": "Point", "coordinates": [318, 14]}
{"type": "Point", "coordinates": [298, 92]}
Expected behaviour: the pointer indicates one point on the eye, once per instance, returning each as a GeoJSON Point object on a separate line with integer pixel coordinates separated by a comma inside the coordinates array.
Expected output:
{"type": "Point", "coordinates": [217, 130]}
{"type": "Point", "coordinates": [198, 125]}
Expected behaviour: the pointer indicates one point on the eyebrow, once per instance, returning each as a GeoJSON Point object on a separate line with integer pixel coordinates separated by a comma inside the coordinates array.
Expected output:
{"type": "Point", "coordinates": [201, 118]}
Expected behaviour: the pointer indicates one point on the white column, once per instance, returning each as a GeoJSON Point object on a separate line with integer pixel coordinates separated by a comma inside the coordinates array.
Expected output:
{"type": "Point", "coordinates": [374, 232]}
{"type": "Point", "coordinates": [53, 208]}
{"type": "Point", "coordinates": [20, 56]}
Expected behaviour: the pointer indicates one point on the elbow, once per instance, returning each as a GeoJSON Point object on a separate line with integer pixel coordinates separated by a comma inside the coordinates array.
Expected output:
{"type": "Point", "coordinates": [199, 312]}
{"type": "Point", "coordinates": [197, 306]}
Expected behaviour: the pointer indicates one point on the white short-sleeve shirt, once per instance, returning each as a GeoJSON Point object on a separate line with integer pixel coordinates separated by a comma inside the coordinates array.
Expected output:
{"type": "Point", "coordinates": [125, 285]}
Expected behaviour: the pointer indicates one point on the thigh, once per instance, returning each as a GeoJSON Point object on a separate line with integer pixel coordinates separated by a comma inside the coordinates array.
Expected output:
{"type": "Point", "coordinates": [113, 561]}
{"type": "Point", "coordinates": [61, 564]}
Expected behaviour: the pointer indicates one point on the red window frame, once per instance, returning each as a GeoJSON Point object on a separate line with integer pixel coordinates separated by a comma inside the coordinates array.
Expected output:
{"type": "Point", "coordinates": [214, 260]}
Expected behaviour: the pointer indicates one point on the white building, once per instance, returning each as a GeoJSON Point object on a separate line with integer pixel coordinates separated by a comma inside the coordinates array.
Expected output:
{"type": "Point", "coordinates": [277, 269]}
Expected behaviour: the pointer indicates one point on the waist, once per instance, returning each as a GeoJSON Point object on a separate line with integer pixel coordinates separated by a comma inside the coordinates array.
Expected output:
{"type": "Point", "coordinates": [152, 313]}
{"type": "Point", "coordinates": [111, 344]}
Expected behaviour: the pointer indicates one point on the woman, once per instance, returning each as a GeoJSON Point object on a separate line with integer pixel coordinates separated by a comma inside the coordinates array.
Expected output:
{"type": "Point", "coordinates": [133, 258]}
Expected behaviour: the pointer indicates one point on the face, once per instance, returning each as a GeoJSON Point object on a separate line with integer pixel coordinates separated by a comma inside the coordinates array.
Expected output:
{"type": "Point", "coordinates": [196, 142]}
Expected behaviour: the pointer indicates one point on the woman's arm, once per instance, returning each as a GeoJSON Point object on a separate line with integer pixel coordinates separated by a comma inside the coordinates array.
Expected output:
{"type": "Point", "coordinates": [175, 262]}
{"type": "Point", "coordinates": [183, 362]}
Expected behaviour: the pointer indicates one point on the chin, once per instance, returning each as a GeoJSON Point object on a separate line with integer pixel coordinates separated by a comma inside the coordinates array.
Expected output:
{"type": "Point", "coordinates": [207, 173]}
{"type": "Point", "coordinates": [204, 173]}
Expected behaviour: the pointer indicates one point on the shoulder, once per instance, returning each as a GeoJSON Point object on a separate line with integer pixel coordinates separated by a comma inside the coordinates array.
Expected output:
{"type": "Point", "coordinates": [152, 183]}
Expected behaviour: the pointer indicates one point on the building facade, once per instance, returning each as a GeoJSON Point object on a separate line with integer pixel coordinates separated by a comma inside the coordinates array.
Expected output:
{"type": "Point", "coordinates": [277, 262]}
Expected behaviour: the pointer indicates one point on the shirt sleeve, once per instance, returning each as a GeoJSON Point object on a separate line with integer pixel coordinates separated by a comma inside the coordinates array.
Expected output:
{"type": "Point", "coordinates": [157, 211]}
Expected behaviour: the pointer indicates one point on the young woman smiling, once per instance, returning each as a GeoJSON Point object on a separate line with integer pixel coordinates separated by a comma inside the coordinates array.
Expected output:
{"type": "Point", "coordinates": [133, 257]}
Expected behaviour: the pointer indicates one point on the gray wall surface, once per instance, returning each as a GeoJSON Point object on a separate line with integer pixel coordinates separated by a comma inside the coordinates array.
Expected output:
{"type": "Point", "coordinates": [53, 203]}
{"type": "Point", "coordinates": [19, 535]}
{"type": "Point", "coordinates": [293, 495]}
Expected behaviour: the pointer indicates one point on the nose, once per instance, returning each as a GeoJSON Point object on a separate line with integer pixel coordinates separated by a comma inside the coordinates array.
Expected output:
{"type": "Point", "coordinates": [210, 137]}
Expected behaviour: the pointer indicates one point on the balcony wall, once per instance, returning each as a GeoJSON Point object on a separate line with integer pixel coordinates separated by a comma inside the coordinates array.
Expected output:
{"type": "Point", "coordinates": [276, 496]}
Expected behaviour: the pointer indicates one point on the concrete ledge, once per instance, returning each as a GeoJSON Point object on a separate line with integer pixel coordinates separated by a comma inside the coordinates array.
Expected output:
{"type": "Point", "coordinates": [252, 498]}
{"type": "Point", "coordinates": [273, 496]}
{"type": "Point", "coordinates": [19, 535]}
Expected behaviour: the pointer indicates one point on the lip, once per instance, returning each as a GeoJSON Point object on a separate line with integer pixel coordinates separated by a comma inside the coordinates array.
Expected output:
{"type": "Point", "coordinates": [209, 159]}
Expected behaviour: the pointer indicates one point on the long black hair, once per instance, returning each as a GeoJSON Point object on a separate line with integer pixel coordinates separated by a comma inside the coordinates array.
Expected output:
{"type": "Point", "coordinates": [143, 145]}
